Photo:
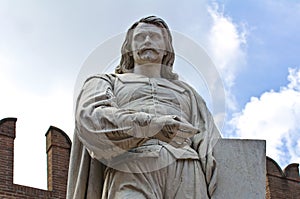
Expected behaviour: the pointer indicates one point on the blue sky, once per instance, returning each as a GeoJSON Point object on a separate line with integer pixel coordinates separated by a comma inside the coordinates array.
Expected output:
{"type": "Point", "coordinates": [272, 43]}
{"type": "Point", "coordinates": [254, 45]}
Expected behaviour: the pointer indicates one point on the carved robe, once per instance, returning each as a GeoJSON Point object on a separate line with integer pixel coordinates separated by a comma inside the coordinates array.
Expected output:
{"type": "Point", "coordinates": [106, 113]}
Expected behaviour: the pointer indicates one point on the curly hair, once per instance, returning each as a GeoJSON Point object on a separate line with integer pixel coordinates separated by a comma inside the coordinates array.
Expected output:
{"type": "Point", "coordinates": [127, 62]}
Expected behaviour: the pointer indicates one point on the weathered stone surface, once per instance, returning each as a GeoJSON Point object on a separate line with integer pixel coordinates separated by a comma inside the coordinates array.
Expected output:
{"type": "Point", "coordinates": [241, 169]}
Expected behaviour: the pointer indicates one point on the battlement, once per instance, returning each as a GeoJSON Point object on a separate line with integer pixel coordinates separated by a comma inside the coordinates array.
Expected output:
{"type": "Point", "coordinates": [282, 183]}
{"type": "Point", "coordinates": [58, 146]}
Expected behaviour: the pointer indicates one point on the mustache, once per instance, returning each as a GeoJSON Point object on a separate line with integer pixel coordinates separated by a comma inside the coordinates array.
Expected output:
{"type": "Point", "coordinates": [142, 50]}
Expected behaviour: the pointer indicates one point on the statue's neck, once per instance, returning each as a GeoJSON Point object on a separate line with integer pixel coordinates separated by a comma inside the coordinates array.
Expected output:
{"type": "Point", "coordinates": [149, 70]}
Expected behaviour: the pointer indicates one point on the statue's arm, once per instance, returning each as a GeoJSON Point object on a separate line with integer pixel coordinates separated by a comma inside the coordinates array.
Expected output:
{"type": "Point", "coordinates": [101, 125]}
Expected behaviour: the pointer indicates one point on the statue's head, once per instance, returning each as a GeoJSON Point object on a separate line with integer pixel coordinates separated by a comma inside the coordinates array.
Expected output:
{"type": "Point", "coordinates": [127, 62]}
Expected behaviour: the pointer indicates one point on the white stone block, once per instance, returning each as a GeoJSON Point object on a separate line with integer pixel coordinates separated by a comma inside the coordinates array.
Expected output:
{"type": "Point", "coordinates": [241, 169]}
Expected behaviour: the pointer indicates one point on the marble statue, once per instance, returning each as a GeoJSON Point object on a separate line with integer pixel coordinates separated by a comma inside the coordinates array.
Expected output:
{"type": "Point", "coordinates": [142, 132]}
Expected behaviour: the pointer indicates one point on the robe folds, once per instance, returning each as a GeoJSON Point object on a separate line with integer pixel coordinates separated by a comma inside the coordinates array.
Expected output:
{"type": "Point", "coordinates": [86, 172]}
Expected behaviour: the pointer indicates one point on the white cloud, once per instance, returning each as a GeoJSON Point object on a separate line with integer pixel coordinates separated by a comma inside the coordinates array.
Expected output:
{"type": "Point", "coordinates": [226, 45]}
{"type": "Point", "coordinates": [294, 79]}
{"type": "Point", "coordinates": [226, 42]}
{"type": "Point", "coordinates": [274, 117]}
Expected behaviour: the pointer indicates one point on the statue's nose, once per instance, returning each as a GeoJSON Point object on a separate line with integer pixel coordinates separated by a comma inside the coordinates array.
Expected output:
{"type": "Point", "coordinates": [147, 40]}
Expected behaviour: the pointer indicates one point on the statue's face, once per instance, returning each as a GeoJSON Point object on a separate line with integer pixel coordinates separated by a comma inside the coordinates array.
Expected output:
{"type": "Point", "coordinates": [148, 44]}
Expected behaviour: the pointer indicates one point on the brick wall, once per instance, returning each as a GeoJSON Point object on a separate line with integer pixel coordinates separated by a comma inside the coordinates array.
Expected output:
{"type": "Point", "coordinates": [58, 147]}
{"type": "Point", "coordinates": [282, 184]}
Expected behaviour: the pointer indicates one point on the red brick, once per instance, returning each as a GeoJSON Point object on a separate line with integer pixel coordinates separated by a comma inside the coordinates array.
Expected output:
{"type": "Point", "coordinates": [282, 184]}
{"type": "Point", "coordinates": [58, 152]}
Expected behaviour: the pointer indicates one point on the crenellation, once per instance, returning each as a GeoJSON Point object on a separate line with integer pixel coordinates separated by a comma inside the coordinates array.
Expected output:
{"type": "Point", "coordinates": [58, 150]}
{"type": "Point", "coordinates": [292, 171]}
{"type": "Point", "coordinates": [8, 127]}
{"type": "Point", "coordinates": [282, 184]}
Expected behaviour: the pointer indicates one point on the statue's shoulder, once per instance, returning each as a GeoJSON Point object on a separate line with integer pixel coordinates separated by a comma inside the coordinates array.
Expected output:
{"type": "Point", "coordinates": [106, 77]}
{"type": "Point", "coordinates": [184, 85]}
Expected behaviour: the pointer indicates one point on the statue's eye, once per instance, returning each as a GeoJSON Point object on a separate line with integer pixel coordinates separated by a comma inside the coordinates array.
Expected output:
{"type": "Point", "coordinates": [140, 37]}
{"type": "Point", "coordinates": [155, 36]}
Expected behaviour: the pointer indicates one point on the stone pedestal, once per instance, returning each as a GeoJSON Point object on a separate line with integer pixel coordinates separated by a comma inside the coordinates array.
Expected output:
{"type": "Point", "coordinates": [241, 169]}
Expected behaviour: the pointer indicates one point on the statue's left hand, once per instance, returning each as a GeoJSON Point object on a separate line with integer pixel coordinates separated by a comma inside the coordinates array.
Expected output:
{"type": "Point", "coordinates": [174, 129]}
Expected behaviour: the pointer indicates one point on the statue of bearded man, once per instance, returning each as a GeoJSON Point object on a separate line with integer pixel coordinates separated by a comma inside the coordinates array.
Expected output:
{"type": "Point", "coordinates": [142, 133]}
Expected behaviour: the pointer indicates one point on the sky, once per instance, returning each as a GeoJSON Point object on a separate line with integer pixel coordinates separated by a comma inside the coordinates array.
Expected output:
{"type": "Point", "coordinates": [253, 44]}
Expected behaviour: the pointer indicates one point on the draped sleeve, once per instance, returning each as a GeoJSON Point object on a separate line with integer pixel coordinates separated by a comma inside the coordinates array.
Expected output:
{"type": "Point", "coordinates": [105, 129]}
